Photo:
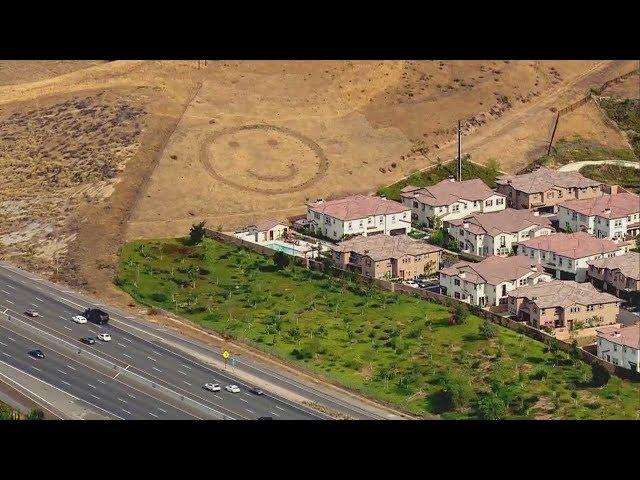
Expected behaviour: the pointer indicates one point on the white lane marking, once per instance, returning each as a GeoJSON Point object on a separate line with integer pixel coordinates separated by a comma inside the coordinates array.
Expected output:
{"type": "Point", "coordinates": [153, 414]}
{"type": "Point", "coordinates": [3, 344]}
{"type": "Point", "coordinates": [39, 300]}
{"type": "Point", "coordinates": [123, 401]}
{"type": "Point", "coordinates": [34, 304]}
{"type": "Point", "coordinates": [9, 301]}
{"type": "Point", "coordinates": [126, 411]}
{"type": "Point", "coordinates": [186, 382]}
{"type": "Point", "coordinates": [279, 407]}
{"type": "Point", "coordinates": [274, 414]}
{"type": "Point", "coordinates": [217, 396]}
{"type": "Point", "coordinates": [125, 355]}
{"type": "Point", "coordinates": [152, 359]}
{"type": "Point", "coordinates": [63, 318]}
{"type": "Point", "coordinates": [35, 368]}
{"type": "Point", "coordinates": [69, 366]}
{"type": "Point", "coordinates": [247, 394]}
{"type": "Point", "coordinates": [61, 371]}
{"type": "Point", "coordinates": [122, 345]}
{"type": "Point", "coordinates": [93, 331]}
{"type": "Point", "coordinates": [243, 400]}
{"type": "Point", "coordinates": [181, 372]}
{"type": "Point", "coordinates": [186, 366]}
{"type": "Point", "coordinates": [101, 381]}
{"type": "Point", "coordinates": [157, 369]}
{"type": "Point", "coordinates": [127, 340]}
{"type": "Point", "coordinates": [6, 354]}
{"type": "Point", "coordinates": [66, 327]}
{"type": "Point", "coordinates": [130, 395]}
{"type": "Point", "coordinates": [162, 410]}
{"type": "Point", "coordinates": [157, 353]}
{"type": "Point", "coordinates": [92, 386]}
{"type": "Point", "coordinates": [66, 383]}
{"type": "Point", "coordinates": [94, 396]}
{"type": "Point", "coordinates": [10, 286]}
{"type": "Point", "coordinates": [12, 339]}
{"type": "Point", "coordinates": [4, 291]}
{"type": "Point", "coordinates": [250, 411]}
{"type": "Point", "coordinates": [116, 376]}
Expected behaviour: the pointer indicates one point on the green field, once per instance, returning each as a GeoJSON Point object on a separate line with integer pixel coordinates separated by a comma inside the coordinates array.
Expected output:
{"type": "Point", "coordinates": [393, 347]}
{"type": "Point", "coordinates": [439, 173]}
{"type": "Point", "coordinates": [626, 113]}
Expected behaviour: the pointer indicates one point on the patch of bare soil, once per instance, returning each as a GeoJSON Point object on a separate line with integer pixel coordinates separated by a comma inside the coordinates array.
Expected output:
{"type": "Point", "coordinates": [14, 72]}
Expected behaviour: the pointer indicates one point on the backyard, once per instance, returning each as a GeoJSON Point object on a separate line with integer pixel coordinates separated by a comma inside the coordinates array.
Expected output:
{"type": "Point", "coordinates": [392, 347]}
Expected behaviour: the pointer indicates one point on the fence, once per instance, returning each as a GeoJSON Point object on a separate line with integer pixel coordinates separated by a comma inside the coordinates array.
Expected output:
{"type": "Point", "coordinates": [519, 327]}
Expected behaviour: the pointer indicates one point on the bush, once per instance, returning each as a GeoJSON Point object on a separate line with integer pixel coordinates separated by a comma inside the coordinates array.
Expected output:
{"type": "Point", "coordinates": [455, 392]}
{"type": "Point", "coordinates": [600, 375]}
{"type": "Point", "coordinates": [459, 314]}
{"type": "Point", "coordinates": [491, 407]}
{"type": "Point", "coordinates": [487, 329]}
{"type": "Point", "coordinates": [281, 260]}
{"type": "Point", "coordinates": [196, 234]}
{"type": "Point", "coordinates": [158, 297]}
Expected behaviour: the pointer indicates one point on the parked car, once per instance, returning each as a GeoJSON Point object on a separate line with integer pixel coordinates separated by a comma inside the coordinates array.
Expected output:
{"type": "Point", "coordinates": [32, 313]}
{"type": "Point", "coordinates": [410, 283]}
{"type": "Point", "coordinates": [232, 388]}
{"type": "Point", "coordinates": [265, 418]}
{"type": "Point", "coordinates": [105, 337]}
{"type": "Point", "coordinates": [256, 391]}
{"type": "Point", "coordinates": [212, 387]}
{"type": "Point", "coordinates": [36, 353]}
{"type": "Point", "coordinates": [79, 319]}
{"type": "Point", "coordinates": [88, 340]}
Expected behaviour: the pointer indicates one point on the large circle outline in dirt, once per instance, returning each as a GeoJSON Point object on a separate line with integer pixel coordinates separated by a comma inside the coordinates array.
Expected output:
{"type": "Point", "coordinates": [313, 146]}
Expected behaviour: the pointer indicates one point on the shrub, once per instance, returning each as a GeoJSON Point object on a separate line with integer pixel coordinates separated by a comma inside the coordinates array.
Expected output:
{"type": "Point", "coordinates": [487, 329]}
{"type": "Point", "coordinates": [281, 260]}
{"type": "Point", "coordinates": [491, 407]}
{"type": "Point", "coordinates": [600, 375]}
{"type": "Point", "coordinates": [158, 297]}
{"type": "Point", "coordinates": [459, 314]}
{"type": "Point", "coordinates": [196, 234]}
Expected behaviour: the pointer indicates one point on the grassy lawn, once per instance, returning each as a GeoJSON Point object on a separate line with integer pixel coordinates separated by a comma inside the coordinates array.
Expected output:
{"type": "Point", "coordinates": [578, 149]}
{"type": "Point", "coordinates": [626, 113]}
{"type": "Point", "coordinates": [439, 173]}
{"type": "Point", "coordinates": [390, 346]}
{"type": "Point", "coordinates": [626, 177]}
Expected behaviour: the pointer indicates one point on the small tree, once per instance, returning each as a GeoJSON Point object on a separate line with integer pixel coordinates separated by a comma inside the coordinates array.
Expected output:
{"type": "Point", "coordinates": [456, 392]}
{"type": "Point", "coordinates": [281, 260]}
{"type": "Point", "coordinates": [196, 234]}
{"type": "Point", "coordinates": [487, 329]}
{"type": "Point", "coordinates": [491, 407]}
{"type": "Point", "coordinates": [600, 376]}
{"type": "Point", "coordinates": [459, 314]}
{"type": "Point", "coordinates": [36, 414]}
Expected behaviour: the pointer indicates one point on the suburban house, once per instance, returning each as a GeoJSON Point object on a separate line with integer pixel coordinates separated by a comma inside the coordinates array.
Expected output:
{"type": "Point", "coordinates": [543, 188]}
{"type": "Point", "coordinates": [563, 304]}
{"type": "Point", "coordinates": [610, 216]}
{"type": "Point", "coordinates": [358, 215]}
{"type": "Point", "coordinates": [449, 200]}
{"type": "Point", "coordinates": [619, 275]}
{"type": "Point", "coordinates": [620, 345]}
{"type": "Point", "coordinates": [489, 282]}
{"type": "Point", "coordinates": [566, 254]}
{"type": "Point", "coordinates": [487, 234]}
{"type": "Point", "coordinates": [383, 256]}
{"type": "Point", "coordinates": [264, 231]}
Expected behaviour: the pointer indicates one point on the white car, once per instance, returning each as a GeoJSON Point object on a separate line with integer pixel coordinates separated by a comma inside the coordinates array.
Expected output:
{"type": "Point", "coordinates": [105, 337]}
{"type": "Point", "coordinates": [79, 319]}
{"type": "Point", "coordinates": [411, 283]}
{"type": "Point", "coordinates": [212, 387]}
{"type": "Point", "coordinates": [232, 388]}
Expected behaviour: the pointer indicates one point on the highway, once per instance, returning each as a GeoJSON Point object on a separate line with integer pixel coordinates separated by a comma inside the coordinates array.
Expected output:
{"type": "Point", "coordinates": [149, 360]}
{"type": "Point", "coordinates": [155, 354]}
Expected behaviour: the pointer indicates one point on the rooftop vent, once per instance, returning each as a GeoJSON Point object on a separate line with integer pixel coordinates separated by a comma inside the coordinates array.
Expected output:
{"type": "Point", "coordinates": [536, 213]}
{"type": "Point", "coordinates": [462, 274]}
{"type": "Point", "coordinates": [465, 224]}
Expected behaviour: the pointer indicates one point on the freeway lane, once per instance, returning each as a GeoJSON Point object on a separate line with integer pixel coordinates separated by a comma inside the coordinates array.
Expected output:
{"type": "Point", "coordinates": [96, 388]}
{"type": "Point", "coordinates": [150, 360]}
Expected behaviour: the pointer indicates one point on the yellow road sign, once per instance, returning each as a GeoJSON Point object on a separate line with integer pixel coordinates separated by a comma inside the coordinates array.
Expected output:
{"type": "Point", "coordinates": [226, 354]}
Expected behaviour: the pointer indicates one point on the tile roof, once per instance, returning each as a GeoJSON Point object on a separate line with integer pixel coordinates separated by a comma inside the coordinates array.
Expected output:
{"type": "Point", "coordinates": [267, 224]}
{"type": "Point", "coordinates": [628, 264]}
{"type": "Point", "coordinates": [448, 192]}
{"type": "Point", "coordinates": [504, 221]}
{"type": "Point", "coordinates": [494, 270]}
{"type": "Point", "coordinates": [562, 293]}
{"type": "Point", "coordinates": [357, 206]}
{"type": "Point", "coordinates": [628, 335]}
{"type": "Point", "coordinates": [382, 247]}
{"type": "Point", "coordinates": [543, 179]}
{"type": "Point", "coordinates": [572, 245]}
{"type": "Point", "coordinates": [607, 206]}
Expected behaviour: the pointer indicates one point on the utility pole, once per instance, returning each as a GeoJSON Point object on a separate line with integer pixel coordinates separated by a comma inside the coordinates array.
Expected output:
{"type": "Point", "coordinates": [459, 157]}
{"type": "Point", "coordinates": [554, 133]}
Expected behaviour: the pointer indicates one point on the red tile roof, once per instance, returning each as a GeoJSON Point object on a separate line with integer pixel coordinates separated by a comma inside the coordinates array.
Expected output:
{"type": "Point", "coordinates": [448, 192]}
{"type": "Point", "coordinates": [357, 206]}
{"type": "Point", "coordinates": [504, 221]}
{"type": "Point", "coordinates": [543, 179]}
{"type": "Point", "coordinates": [628, 336]}
{"type": "Point", "coordinates": [607, 206]}
{"type": "Point", "coordinates": [382, 247]}
{"type": "Point", "coordinates": [572, 245]}
{"type": "Point", "coordinates": [493, 270]}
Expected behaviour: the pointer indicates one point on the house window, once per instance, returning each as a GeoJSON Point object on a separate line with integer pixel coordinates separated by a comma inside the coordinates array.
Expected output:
{"type": "Point", "coordinates": [349, 225]}
{"type": "Point", "coordinates": [370, 220]}
{"type": "Point", "coordinates": [456, 295]}
{"type": "Point", "coordinates": [499, 201]}
{"type": "Point", "coordinates": [502, 241]}
{"type": "Point", "coordinates": [457, 282]}
{"type": "Point", "coordinates": [393, 218]}
{"type": "Point", "coordinates": [488, 203]}
{"type": "Point", "coordinates": [455, 208]}
{"type": "Point", "coordinates": [590, 308]}
{"type": "Point", "coordinates": [381, 219]}
{"type": "Point", "coordinates": [615, 348]}
{"type": "Point", "coordinates": [415, 204]}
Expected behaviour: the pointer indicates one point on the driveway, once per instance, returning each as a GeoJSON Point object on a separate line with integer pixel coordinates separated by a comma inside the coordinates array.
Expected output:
{"type": "Point", "coordinates": [575, 166]}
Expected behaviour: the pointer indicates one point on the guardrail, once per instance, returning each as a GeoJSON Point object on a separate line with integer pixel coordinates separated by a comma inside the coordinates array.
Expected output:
{"type": "Point", "coordinates": [118, 369]}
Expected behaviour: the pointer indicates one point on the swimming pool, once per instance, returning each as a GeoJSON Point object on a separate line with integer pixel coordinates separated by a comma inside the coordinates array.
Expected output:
{"type": "Point", "coordinates": [288, 249]}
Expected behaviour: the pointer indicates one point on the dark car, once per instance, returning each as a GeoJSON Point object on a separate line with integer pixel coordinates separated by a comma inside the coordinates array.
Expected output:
{"type": "Point", "coordinates": [36, 353]}
{"type": "Point", "coordinates": [32, 313]}
{"type": "Point", "coordinates": [265, 418]}
{"type": "Point", "coordinates": [95, 315]}
{"type": "Point", "coordinates": [256, 390]}
{"type": "Point", "coordinates": [88, 340]}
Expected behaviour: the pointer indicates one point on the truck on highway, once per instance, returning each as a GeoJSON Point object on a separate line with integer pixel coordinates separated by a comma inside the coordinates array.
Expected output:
{"type": "Point", "coordinates": [95, 315]}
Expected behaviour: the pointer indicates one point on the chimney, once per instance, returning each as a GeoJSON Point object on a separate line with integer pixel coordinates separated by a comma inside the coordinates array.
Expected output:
{"type": "Point", "coordinates": [319, 200]}
{"type": "Point", "coordinates": [533, 267]}
{"type": "Point", "coordinates": [465, 224]}
{"type": "Point", "coordinates": [616, 334]}
{"type": "Point", "coordinates": [452, 178]}
{"type": "Point", "coordinates": [536, 213]}
{"type": "Point", "coordinates": [607, 211]}
{"type": "Point", "coordinates": [462, 274]}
